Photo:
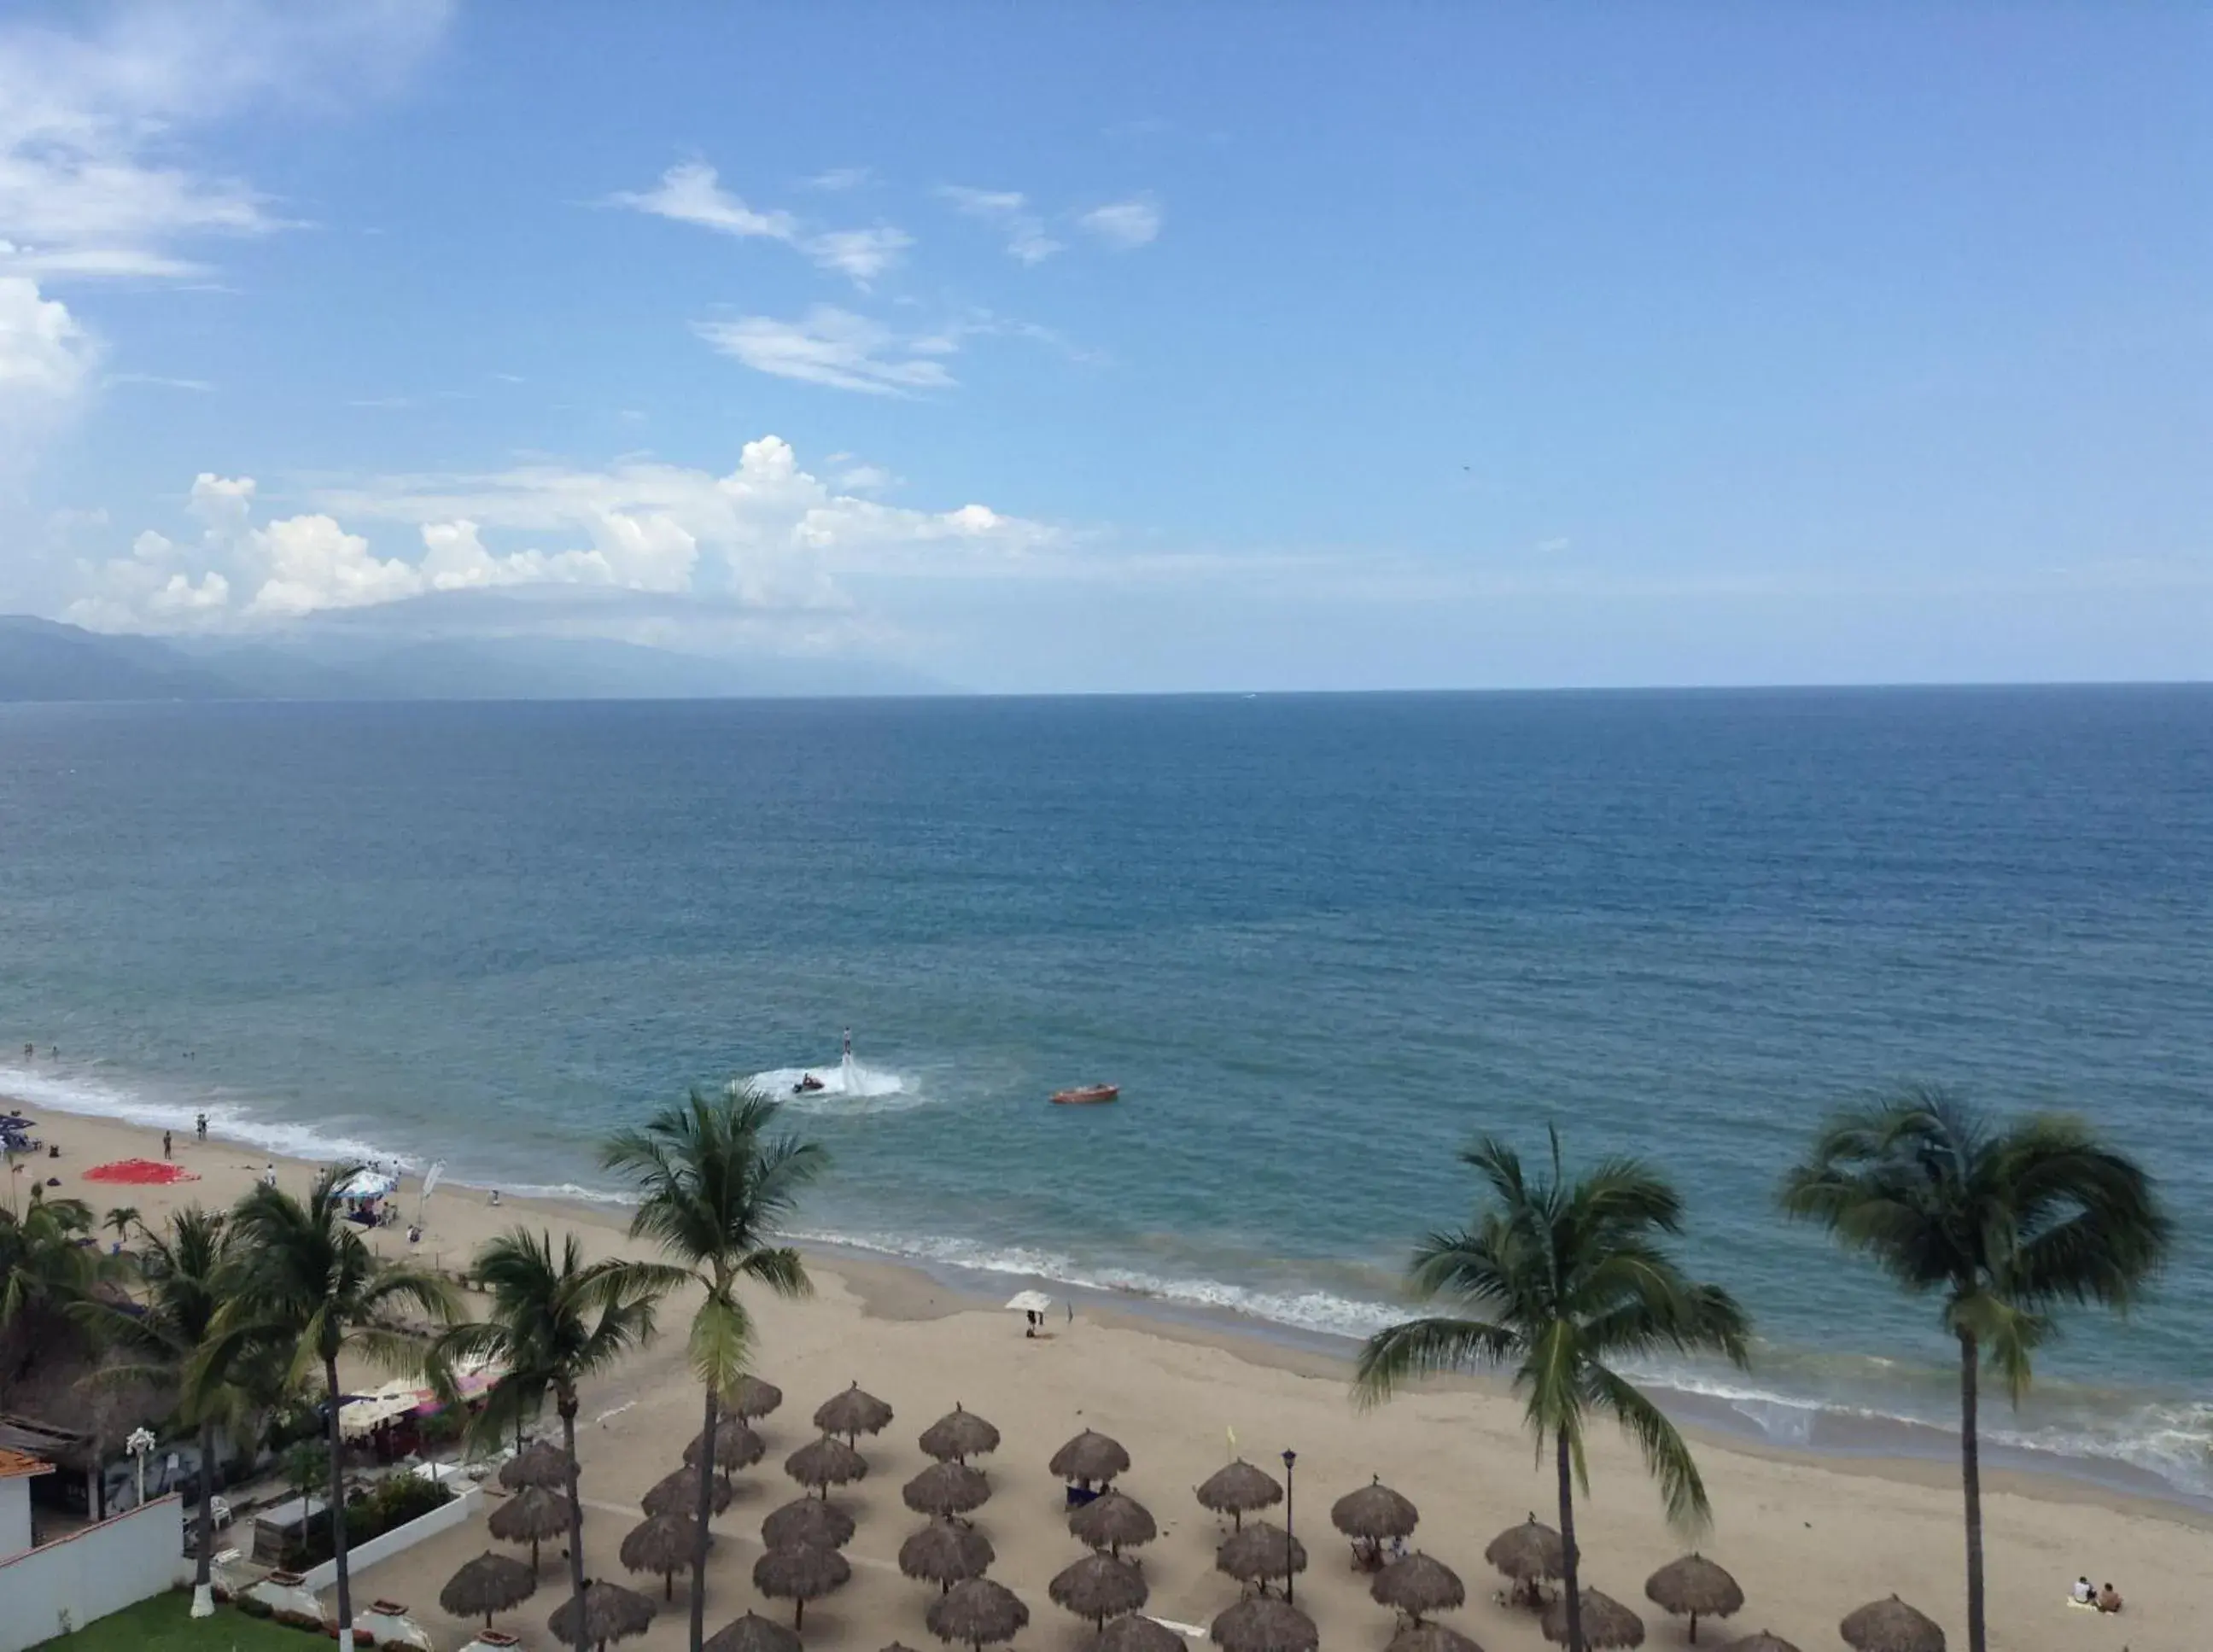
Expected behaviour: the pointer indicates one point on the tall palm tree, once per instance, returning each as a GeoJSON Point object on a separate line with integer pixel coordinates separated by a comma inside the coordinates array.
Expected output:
{"type": "Point", "coordinates": [715, 1186]}
{"type": "Point", "coordinates": [1557, 1279]}
{"type": "Point", "coordinates": [2006, 1224]}
{"type": "Point", "coordinates": [556, 1320]}
{"type": "Point", "coordinates": [308, 1283]}
{"type": "Point", "coordinates": [44, 1267]}
{"type": "Point", "coordinates": [189, 1272]}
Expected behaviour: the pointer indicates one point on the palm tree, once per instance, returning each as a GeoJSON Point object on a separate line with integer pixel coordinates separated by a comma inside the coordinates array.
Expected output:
{"type": "Point", "coordinates": [1560, 1278]}
{"type": "Point", "coordinates": [44, 1267]}
{"type": "Point", "coordinates": [308, 1283]}
{"type": "Point", "coordinates": [555, 1321]}
{"type": "Point", "coordinates": [189, 1272]}
{"type": "Point", "coordinates": [2008, 1225]}
{"type": "Point", "coordinates": [715, 1186]}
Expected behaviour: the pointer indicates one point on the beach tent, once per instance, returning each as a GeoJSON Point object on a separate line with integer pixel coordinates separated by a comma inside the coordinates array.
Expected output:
{"type": "Point", "coordinates": [1030, 1301]}
{"type": "Point", "coordinates": [368, 1185]}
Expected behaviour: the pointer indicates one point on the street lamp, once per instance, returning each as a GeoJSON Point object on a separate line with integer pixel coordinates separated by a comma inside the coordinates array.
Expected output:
{"type": "Point", "coordinates": [1290, 1460]}
{"type": "Point", "coordinates": [140, 1442]}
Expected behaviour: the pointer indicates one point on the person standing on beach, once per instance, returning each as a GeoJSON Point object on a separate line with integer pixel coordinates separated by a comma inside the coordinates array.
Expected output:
{"type": "Point", "coordinates": [199, 1125]}
{"type": "Point", "coordinates": [166, 1140]}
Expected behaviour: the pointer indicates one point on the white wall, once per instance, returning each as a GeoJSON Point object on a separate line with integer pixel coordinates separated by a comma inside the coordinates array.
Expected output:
{"type": "Point", "coordinates": [89, 1573]}
{"type": "Point", "coordinates": [14, 1515]}
{"type": "Point", "coordinates": [359, 1559]}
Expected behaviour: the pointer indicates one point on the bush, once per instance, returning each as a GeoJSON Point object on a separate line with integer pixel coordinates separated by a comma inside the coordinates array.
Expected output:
{"type": "Point", "coordinates": [395, 1501]}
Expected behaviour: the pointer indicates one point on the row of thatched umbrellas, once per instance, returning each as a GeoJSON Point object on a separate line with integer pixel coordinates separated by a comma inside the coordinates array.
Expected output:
{"type": "Point", "coordinates": [801, 1562]}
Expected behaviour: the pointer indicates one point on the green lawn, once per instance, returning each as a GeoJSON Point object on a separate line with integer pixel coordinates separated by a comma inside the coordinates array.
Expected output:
{"type": "Point", "coordinates": [164, 1624]}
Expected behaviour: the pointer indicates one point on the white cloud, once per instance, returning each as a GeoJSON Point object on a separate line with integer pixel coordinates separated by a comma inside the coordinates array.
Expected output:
{"type": "Point", "coordinates": [838, 178]}
{"type": "Point", "coordinates": [834, 347]}
{"type": "Point", "coordinates": [1026, 239]}
{"type": "Point", "coordinates": [766, 535]}
{"type": "Point", "coordinates": [691, 192]}
{"type": "Point", "coordinates": [47, 360]}
{"type": "Point", "coordinates": [1125, 224]}
{"type": "Point", "coordinates": [91, 182]}
{"type": "Point", "coordinates": [864, 255]}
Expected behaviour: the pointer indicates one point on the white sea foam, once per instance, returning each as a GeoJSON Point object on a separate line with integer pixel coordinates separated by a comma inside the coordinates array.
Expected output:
{"type": "Point", "coordinates": [81, 1092]}
{"type": "Point", "coordinates": [847, 1088]}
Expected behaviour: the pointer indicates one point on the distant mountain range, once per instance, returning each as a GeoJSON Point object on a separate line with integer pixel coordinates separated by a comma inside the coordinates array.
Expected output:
{"type": "Point", "coordinates": [44, 660]}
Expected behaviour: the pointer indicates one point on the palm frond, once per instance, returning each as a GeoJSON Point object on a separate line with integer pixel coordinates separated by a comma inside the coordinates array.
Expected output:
{"type": "Point", "coordinates": [1667, 1458]}
{"type": "Point", "coordinates": [1417, 1348]}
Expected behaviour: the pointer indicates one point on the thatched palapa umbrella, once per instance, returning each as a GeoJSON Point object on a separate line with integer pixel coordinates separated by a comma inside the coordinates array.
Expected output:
{"type": "Point", "coordinates": [1527, 1554]}
{"type": "Point", "coordinates": [1111, 1520]}
{"type": "Point", "coordinates": [1259, 1553]}
{"type": "Point", "coordinates": [1090, 1458]}
{"type": "Point", "coordinates": [1262, 1625]}
{"type": "Point", "coordinates": [978, 1612]}
{"type": "Point", "coordinates": [541, 1463]}
{"type": "Point", "coordinates": [1374, 1514]}
{"type": "Point", "coordinates": [611, 1612]}
{"type": "Point", "coordinates": [853, 1413]}
{"type": "Point", "coordinates": [1099, 1587]}
{"type": "Point", "coordinates": [736, 1445]}
{"type": "Point", "coordinates": [945, 1554]}
{"type": "Point", "coordinates": [531, 1516]}
{"type": "Point", "coordinates": [1891, 1626]}
{"type": "Point", "coordinates": [1762, 1641]}
{"type": "Point", "coordinates": [807, 1523]}
{"type": "Point", "coordinates": [824, 1463]}
{"type": "Point", "coordinates": [947, 1489]}
{"type": "Point", "coordinates": [1607, 1622]}
{"type": "Point", "coordinates": [752, 1633]}
{"type": "Point", "coordinates": [1418, 1586]}
{"type": "Point", "coordinates": [678, 1493]}
{"type": "Point", "coordinates": [751, 1398]}
{"type": "Point", "coordinates": [1694, 1587]}
{"type": "Point", "coordinates": [800, 1575]}
{"type": "Point", "coordinates": [1237, 1490]}
{"type": "Point", "coordinates": [491, 1583]}
{"type": "Point", "coordinates": [665, 1544]}
{"type": "Point", "coordinates": [958, 1436]}
{"type": "Point", "coordinates": [1135, 1632]}
{"type": "Point", "coordinates": [1431, 1637]}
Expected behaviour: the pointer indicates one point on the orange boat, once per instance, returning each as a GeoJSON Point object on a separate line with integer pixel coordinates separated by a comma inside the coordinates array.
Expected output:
{"type": "Point", "coordinates": [1086, 1096]}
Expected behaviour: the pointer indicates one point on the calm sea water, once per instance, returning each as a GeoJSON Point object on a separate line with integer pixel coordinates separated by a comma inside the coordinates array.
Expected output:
{"type": "Point", "coordinates": [1320, 942]}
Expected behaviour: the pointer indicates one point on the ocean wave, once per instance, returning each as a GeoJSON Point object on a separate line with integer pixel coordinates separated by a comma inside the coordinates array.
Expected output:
{"type": "Point", "coordinates": [95, 1097]}
{"type": "Point", "coordinates": [1321, 1312]}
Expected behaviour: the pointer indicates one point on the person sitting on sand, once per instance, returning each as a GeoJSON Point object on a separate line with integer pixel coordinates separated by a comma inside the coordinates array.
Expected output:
{"type": "Point", "coordinates": [2108, 1600]}
{"type": "Point", "coordinates": [2085, 1593]}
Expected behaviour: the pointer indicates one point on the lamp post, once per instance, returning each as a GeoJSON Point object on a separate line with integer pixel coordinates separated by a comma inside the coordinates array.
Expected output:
{"type": "Point", "coordinates": [1290, 1460]}
{"type": "Point", "coordinates": [138, 1443]}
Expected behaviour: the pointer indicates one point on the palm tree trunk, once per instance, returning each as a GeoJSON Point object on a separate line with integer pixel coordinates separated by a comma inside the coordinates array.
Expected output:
{"type": "Point", "coordinates": [204, 1567]}
{"type": "Point", "coordinates": [1970, 1487]}
{"type": "Point", "coordinates": [1568, 1556]}
{"type": "Point", "coordinates": [338, 1510]}
{"type": "Point", "coordinates": [568, 1404]}
{"type": "Point", "coordinates": [705, 1512]}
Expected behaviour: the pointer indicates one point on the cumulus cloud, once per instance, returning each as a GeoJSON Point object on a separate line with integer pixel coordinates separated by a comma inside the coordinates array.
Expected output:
{"type": "Point", "coordinates": [1026, 239]}
{"type": "Point", "coordinates": [768, 533]}
{"type": "Point", "coordinates": [91, 184]}
{"type": "Point", "coordinates": [47, 359]}
{"type": "Point", "coordinates": [836, 348]}
{"type": "Point", "coordinates": [1124, 225]}
{"type": "Point", "coordinates": [691, 192]}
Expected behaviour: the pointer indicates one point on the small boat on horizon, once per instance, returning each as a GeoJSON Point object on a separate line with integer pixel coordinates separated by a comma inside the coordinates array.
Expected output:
{"type": "Point", "coordinates": [1086, 1096]}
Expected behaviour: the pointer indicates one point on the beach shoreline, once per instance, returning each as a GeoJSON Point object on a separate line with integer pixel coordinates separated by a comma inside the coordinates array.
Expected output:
{"type": "Point", "coordinates": [894, 1286]}
{"type": "Point", "coordinates": [1809, 1537]}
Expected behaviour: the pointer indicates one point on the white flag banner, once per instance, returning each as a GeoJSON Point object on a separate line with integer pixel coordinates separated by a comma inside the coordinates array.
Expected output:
{"type": "Point", "coordinates": [430, 1178]}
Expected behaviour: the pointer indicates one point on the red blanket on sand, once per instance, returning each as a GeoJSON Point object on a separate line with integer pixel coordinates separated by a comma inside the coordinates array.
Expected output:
{"type": "Point", "coordinates": [140, 1173]}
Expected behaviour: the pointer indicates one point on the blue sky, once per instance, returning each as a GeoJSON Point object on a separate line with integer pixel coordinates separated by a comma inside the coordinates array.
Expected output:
{"type": "Point", "coordinates": [1092, 347]}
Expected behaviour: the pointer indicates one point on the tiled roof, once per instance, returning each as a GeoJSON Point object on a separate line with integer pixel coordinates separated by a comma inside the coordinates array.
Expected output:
{"type": "Point", "coordinates": [13, 1463]}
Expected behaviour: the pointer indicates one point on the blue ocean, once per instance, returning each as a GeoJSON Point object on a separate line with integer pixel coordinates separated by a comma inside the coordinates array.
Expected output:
{"type": "Point", "coordinates": [1319, 942]}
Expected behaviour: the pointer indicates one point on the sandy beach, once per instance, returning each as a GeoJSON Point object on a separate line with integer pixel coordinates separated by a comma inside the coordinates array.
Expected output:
{"type": "Point", "coordinates": [1808, 1539]}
